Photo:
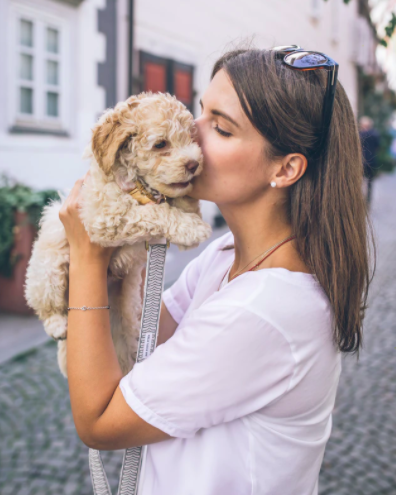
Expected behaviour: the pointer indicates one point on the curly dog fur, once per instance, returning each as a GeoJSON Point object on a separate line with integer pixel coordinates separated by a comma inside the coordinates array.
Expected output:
{"type": "Point", "coordinates": [148, 137]}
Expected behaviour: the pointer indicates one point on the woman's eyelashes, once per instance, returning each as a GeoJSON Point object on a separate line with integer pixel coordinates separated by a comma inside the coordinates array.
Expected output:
{"type": "Point", "coordinates": [223, 133]}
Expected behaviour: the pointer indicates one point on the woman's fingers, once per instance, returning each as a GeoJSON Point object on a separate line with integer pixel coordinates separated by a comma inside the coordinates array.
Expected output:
{"type": "Point", "coordinates": [87, 175]}
{"type": "Point", "coordinates": [75, 194]}
{"type": "Point", "coordinates": [72, 201]}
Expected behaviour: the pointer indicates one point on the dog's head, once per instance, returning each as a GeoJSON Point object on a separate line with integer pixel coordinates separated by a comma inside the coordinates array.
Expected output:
{"type": "Point", "coordinates": [150, 137]}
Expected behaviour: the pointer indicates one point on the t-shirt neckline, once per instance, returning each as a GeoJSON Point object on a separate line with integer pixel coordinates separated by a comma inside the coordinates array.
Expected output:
{"type": "Point", "coordinates": [293, 276]}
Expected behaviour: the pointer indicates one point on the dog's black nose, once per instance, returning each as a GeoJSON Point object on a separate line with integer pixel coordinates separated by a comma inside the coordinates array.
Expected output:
{"type": "Point", "coordinates": [192, 166]}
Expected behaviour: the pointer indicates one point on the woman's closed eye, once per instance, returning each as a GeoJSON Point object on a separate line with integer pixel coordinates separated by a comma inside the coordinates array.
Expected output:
{"type": "Point", "coordinates": [220, 131]}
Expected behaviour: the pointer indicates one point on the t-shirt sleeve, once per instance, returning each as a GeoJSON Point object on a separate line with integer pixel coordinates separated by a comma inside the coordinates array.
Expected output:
{"type": "Point", "coordinates": [178, 297]}
{"type": "Point", "coordinates": [224, 362]}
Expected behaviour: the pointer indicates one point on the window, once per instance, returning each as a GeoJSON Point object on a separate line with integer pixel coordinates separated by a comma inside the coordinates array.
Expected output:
{"type": "Point", "coordinates": [167, 76]}
{"type": "Point", "coordinates": [26, 57]}
{"type": "Point", "coordinates": [38, 67]}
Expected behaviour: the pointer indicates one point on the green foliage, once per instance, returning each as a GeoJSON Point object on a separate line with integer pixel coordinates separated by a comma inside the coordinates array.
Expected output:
{"type": "Point", "coordinates": [379, 105]}
{"type": "Point", "coordinates": [18, 197]}
{"type": "Point", "coordinates": [389, 30]}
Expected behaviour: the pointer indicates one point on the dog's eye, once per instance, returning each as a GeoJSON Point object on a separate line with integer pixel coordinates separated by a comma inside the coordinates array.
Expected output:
{"type": "Point", "coordinates": [162, 144]}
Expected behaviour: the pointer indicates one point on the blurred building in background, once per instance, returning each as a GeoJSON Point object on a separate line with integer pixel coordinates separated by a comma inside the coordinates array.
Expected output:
{"type": "Point", "coordinates": [64, 61]}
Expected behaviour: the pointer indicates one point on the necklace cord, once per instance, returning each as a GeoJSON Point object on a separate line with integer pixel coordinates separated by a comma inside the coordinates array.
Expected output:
{"type": "Point", "coordinates": [274, 249]}
{"type": "Point", "coordinates": [266, 254]}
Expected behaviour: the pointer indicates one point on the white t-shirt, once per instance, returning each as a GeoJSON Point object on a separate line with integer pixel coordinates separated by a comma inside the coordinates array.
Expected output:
{"type": "Point", "coordinates": [246, 385]}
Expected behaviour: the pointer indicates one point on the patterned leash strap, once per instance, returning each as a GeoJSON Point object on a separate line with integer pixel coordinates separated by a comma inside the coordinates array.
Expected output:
{"type": "Point", "coordinates": [133, 461]}
{"type": "Point", "coordinates": [99, 480]}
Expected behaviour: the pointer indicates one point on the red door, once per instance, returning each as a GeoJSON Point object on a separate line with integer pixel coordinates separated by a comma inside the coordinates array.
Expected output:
{"type": "Point", "coordinates": [154, 77]}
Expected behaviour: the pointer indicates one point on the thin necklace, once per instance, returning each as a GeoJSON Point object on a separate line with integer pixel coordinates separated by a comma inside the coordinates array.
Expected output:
{"type": "Point", "coordinates": [270, 251]}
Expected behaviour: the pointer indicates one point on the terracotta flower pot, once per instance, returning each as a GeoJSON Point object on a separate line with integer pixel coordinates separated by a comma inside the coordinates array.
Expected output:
{"type": "Point", "coordinates": [12, 299]}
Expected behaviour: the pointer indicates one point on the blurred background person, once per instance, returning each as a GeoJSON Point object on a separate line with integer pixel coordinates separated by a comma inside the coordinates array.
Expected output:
{"type": "Point", "coordinates": [370, 140]}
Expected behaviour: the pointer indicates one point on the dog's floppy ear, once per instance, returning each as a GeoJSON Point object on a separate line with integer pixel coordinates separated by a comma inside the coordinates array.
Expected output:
{"type": "Point", "coordinates": [110, 133]}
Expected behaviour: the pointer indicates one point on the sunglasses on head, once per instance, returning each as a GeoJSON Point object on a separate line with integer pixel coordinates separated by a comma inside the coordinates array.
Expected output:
{"type": "Point", "coordinates": [297, 58]}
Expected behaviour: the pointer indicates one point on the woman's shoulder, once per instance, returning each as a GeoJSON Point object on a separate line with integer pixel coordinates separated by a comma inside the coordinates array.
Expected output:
{"type": "Point", "coordinates": [293, 302]}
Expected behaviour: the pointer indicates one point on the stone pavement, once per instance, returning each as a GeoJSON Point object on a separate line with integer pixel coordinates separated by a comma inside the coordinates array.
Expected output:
{"type": "Point", "coordinates": [40, 452]}
{"type": "Point", "coordinates": [19, 334]}
{"type": "Point", "coordinates": [360, 457]}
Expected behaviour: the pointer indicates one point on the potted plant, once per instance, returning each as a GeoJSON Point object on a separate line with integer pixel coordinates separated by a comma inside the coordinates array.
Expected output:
{"type": "Point", "coordinates": [20, 211]}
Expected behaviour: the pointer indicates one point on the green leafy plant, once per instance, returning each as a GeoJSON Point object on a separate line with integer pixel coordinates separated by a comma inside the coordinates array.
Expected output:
{"type": "Point", "coordinates": [389, 30]}
{"type": "Point", "coordinates": [15, 196]}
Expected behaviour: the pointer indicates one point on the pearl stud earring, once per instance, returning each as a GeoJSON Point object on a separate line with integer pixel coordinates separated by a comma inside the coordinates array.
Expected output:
{"type": "Point", "coordinates": [273, 184]}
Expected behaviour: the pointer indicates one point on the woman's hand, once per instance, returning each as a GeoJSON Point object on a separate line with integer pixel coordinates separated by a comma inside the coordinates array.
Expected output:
{"type": "Point", "coordinates": [81, 247]}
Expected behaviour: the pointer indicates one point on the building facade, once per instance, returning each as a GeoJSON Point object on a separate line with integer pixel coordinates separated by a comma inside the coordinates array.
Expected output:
{"type": "Point", "coordinates": [64, 61]}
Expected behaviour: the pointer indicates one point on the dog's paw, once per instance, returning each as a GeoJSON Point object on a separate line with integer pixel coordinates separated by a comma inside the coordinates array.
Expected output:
{"type": "Point", "coordinates": [203, 231]}
{"type": "Point", "coordinates": [56, 326]}
{"type": "Point", "coordinates": [200, 233]}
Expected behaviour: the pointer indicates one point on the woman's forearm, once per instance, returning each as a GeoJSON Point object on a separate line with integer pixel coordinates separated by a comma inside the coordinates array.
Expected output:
{"type": "Point", "coordinates": [92, 365]}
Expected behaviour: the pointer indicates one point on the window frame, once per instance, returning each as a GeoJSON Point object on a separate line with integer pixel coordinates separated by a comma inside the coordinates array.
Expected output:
{"type": "Point", "coordinates": [39, 121]}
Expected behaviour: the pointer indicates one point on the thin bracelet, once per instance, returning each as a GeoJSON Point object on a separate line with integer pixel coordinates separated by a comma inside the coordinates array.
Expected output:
{"type": "Point", "coordinates": [84, 308]}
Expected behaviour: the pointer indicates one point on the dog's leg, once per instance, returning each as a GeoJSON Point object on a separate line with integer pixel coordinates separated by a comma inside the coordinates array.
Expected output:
{"type": "Point", "coordinates": [142, 222]}
{"type": "Point", "coordinates": [125, 331]}
{"type": "Point", "coordinates": [46, 284]}
{"type": "Point", "coordinates": [187, 230]}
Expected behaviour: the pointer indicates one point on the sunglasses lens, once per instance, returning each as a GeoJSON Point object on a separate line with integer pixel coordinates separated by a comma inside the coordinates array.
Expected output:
{"type": "Point", "coordinates": [305, 59]}
{"type": "Point", "coordinates": [285, 48]}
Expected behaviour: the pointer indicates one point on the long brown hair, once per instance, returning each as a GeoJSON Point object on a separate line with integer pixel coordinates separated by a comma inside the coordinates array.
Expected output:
{"type": "Point", "coordinates": [326, 206]}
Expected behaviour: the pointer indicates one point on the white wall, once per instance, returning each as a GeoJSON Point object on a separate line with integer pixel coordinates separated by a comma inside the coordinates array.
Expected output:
{"type": "Point", "coordinates": [200, 35]}
{"type": "Point", "coordinates": [44, 160]}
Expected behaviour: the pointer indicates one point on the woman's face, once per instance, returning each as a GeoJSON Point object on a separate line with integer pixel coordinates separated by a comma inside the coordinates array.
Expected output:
{"type": "Point", "coordinates": [234, 170]}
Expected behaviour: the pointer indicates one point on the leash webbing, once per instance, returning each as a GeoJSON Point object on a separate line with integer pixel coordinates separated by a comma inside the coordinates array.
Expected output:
{"type": "Point", "coordinates": [134, 457]}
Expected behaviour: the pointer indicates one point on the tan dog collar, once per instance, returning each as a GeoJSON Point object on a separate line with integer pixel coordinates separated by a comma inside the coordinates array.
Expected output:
{"type": "Point", "coordinates": [143, 196]}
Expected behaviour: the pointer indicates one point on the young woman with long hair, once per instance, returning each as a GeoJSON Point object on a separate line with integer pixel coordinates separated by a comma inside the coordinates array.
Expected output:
{"type": "Point", "coordinates": [237, 397]}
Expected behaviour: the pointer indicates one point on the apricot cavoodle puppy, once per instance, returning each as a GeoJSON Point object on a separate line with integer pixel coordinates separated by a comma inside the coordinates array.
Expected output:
{"type": "Point", "coordinates": [143, 159]}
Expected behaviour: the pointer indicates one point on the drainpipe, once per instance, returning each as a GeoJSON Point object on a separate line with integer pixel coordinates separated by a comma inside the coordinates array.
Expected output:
{"type": "Point", "coordinates": [130, 47]}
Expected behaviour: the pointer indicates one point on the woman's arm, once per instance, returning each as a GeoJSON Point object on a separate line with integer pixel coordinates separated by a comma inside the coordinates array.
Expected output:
{"type": "Point", "coordinates": [167, 325]}
{"type": "Point", "coordinates": [102, 418]}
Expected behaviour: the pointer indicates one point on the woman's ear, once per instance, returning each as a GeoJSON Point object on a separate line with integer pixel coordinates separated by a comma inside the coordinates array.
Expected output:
{"type": "Point", "coordinates": [114, 127]}
{"type": "Point", "coordinates": [293, 167]}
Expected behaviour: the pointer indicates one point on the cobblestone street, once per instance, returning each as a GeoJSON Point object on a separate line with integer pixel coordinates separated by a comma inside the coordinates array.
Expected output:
{"type": "Point", "coordinates": [360, 457]}
{"type": "Point", "coordinates": [40, 452]}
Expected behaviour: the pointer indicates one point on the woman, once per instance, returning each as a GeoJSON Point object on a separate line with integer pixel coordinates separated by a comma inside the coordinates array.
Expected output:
{"type": "Point", "coordinates": [238, 395]}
